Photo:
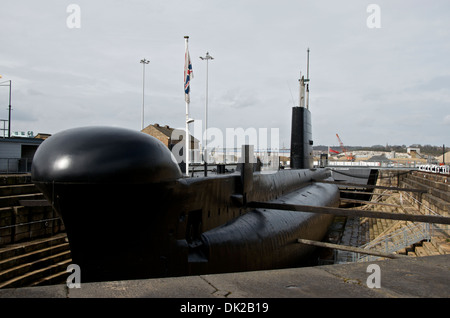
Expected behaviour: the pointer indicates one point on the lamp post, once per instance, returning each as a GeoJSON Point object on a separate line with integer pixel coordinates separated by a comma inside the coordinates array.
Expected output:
{"type": "Point", "coordinates": [144, 62]}
{"type": "Point", "coordinates": [9, 108]}
{"type": "Point", "coordinates": [205, 156]}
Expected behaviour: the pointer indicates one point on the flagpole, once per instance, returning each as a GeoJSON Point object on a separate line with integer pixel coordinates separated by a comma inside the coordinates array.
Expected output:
{"type": "Point", "coordinates": [205, 155]}
{"type": "Point", "coordinates": [9, 108]}
{"type": "Point", "coordinates": [144, 62]}
{"type": "Point", "coordinates": [187, 141]}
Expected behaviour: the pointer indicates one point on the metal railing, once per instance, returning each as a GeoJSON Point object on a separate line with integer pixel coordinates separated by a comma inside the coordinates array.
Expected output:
{"type": "Point", "coordinates": [390, 243]}
{"type": "Point", "coordinates": [400, 239]}
{"type": "Point", "coordinates": [15, 165]}
{"type": "Point", "coordinates": [410, 233]}
{"type": "Point", "coordinates": [25, 231]}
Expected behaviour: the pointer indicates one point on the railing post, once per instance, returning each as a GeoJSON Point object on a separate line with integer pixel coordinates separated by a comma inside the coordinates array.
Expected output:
{"type": "Point", "coordinates": [405, 238]}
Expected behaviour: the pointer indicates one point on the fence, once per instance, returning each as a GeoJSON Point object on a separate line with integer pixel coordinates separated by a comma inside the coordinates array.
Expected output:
{"type": "Point", "coordinates": [379, 164]}
{"type": "Point", "coordinates": [23, 223]}
{"type": "Point", "coordinates": [409, 234]}
{"type": "Point", "coordinates": [15, 165]}
{"type": "Point", "coordinates": [402, 238]}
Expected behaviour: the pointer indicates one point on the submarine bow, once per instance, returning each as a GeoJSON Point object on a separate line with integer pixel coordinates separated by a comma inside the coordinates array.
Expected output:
{"type": "Point", "coordinates": [111, 187]}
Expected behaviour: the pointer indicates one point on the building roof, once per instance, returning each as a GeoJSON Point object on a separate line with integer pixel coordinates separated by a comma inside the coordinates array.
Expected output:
{"type": "Point", "coordinates": [42, 136]}
{"type": "Point", "coordinates": [166, 130]}
{"type": "Point", "coordinates": [441, 157]}
{"type": "Point", "coordinates": [381, 158]}
{"type": "Point", "coordinates": [21, 140]}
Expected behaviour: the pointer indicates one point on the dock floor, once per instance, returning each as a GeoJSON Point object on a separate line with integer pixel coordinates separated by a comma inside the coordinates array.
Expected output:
{"type": "Point", "coordinates": [424, 277]}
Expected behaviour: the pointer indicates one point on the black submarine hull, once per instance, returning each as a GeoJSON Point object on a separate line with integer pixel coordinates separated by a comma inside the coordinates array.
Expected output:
{"type": "Point", "coordinates": [266, 239]}
{"type": "Point", "coordinates": [129, 213]}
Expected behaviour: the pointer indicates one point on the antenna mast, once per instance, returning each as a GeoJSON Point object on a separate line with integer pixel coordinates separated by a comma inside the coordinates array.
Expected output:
{"type": "Point", "coordinates": [307, 79]}
{"type": "Point", "coordinates": [302, 90]}
{"type": "Point", "coordinates": [304, 83]}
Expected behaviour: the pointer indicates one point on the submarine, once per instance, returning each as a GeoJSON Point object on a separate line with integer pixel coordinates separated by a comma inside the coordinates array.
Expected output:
{"type": "Point", "coordinates": [130, 213]}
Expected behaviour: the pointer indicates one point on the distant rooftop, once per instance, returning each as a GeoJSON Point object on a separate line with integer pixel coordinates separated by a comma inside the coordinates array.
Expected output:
{"type": "Point", "coordinates": [165, 130]}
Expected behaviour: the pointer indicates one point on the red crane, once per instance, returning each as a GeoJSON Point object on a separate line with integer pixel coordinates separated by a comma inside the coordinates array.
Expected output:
{"type": "Point", "coordinates": [349, 155]}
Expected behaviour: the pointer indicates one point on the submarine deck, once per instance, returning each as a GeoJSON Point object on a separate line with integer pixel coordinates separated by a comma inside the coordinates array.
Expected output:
{"type": "Point", "coordinates": [410, 277]}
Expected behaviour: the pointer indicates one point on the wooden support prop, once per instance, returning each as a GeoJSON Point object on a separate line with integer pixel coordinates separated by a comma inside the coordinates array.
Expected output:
{"type": "Point", "coordinates": [364, 192]}
{"type": "Point", "coordinates": [369, 202]}
{"type": "Point", "coordinates": [350, 249]}
{"type": "Point", "coordinates": [346, 212]}
{"type": "Point", "coordinates": [370, 186]}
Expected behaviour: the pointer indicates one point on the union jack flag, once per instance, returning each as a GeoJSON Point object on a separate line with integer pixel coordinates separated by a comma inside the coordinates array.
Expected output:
{"type": "Point", "coordinates": [188, 75]}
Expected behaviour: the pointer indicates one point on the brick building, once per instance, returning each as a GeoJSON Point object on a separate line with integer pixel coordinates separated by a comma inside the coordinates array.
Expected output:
{"type": "Point", "coordinates": [169, 136]}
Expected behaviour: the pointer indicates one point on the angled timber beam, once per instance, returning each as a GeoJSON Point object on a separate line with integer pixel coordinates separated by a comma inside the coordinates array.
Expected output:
{"type": "Point", "coordinates": [369, 202]}
{"type": "Point", "coordinates": [370, 186]}
{"type": "Point", "coordinates": [350, 249]}
{"type": "Point", "coordinates": [346, 212]}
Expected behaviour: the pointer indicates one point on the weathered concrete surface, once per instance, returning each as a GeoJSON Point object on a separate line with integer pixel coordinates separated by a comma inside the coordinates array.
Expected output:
{"type": "Point", "coordinates": [423, 277]}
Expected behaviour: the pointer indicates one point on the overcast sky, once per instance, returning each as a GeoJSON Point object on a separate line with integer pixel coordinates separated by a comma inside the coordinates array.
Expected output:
{"type": "Point", "coordinates": [387, 85]}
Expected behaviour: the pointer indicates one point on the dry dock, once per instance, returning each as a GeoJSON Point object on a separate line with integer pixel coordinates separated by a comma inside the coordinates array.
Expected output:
{"type": "Point", "coordinates": [423, 271]}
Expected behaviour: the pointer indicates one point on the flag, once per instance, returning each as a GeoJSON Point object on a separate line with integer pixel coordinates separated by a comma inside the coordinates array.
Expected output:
{"type": "Point", "coordinates": [188, 74]}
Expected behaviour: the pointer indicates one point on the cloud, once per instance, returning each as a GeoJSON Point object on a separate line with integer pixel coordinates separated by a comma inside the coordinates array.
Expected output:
{"type": "Point", "coordinates": [361, 79]}
{"type": "Point", "coordinates": [237, 99]}
{"type": "Point", "coordinates": [446, 120]}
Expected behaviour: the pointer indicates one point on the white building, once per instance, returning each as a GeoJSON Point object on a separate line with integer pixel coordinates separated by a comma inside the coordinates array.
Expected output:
{"type": "Point", "coordinates": [16, 154]}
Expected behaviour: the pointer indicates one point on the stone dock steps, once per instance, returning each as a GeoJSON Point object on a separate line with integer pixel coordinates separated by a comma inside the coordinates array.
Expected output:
{"type": "Point", "coordinates": [35, 262]}
{"type": "Point", "coordinates": [33, 246]}
{"type": "Point", "coordinates": [361, 231]}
